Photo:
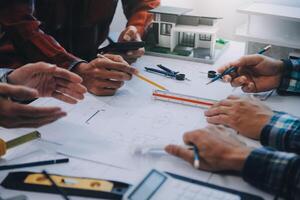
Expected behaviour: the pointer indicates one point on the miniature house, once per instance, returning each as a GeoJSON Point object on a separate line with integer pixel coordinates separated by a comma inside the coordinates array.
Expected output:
{"type": "Point", "coordinates": [183, 34]}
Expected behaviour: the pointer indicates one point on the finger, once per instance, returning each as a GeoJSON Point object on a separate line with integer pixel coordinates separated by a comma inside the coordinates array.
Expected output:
{"type": "Point", "coordinates": [227, 78]}
{"type": "Point", "coordinates": [35, 123]}
{"type": "Point", "coordinates": [185, 154]}
{"type": "Point", "coordinates": [62, 97]}
{"type": "Point", "coordinates": [233, 97]}
{"type": "Point", "coordinates": [227, 66]}
{"type": "Point", "coordinates": [18, 92]}
{"type": "Point", "coordinates": [116, 58]}
{"type": "Point", "coordinates": [217, 111]}
{"type": "Point", "coordinates": [110, 65]}
{"type": "Point", "coordinates": [70, 92]}
{"type": "Point", "coordinates": [115, 75]}
{"type": "Point", "coordinates": [109, 84]}
{"type": "Point", "coordinates": [239, 81]}
{"type": "Point", "coordinates": [130, 34]}
{"type": "Point", "coordinates": [31, 111]}
{"type": "Point", "coordinates": [136, 54]}
{"type": "Point", "coordinates": [67, 75]}
{"type": "Point", "coordinates": [103, 91]}
{"type": "Point", "coordinates": [224, 102]}
{"type": "Point", "coordinates": [218, 119]}
{"type": "Point", "coordinates": [77, 87]}
{"type": "Point", "coordinates": [249, 88]}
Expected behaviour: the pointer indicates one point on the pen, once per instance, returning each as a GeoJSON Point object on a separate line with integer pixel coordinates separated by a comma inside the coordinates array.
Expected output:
{"type": "Point", "coordinates": [140, 76]}
{"type": "Point", "coordinates": [234, 69]}
{"type": "Point", "coordinates": [196, 157]}
{"type": "Point", "coordinates": [34, 164]}
{"type": "Point", "coordinates": [53, 184]}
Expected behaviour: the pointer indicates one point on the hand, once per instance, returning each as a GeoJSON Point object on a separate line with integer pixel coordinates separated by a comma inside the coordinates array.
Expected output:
{"type": "Point", "coordinates": [247, 116]}
{"type": "Point", "coordinates": [131, 34]}
{"type": "Point", "coordinates": [14, 115]}
{"type": "Point", "coordinates": [256, 73]}
{"type": "Point", "coordinates": [49, 81]}
{"type": "Point", "coordinates": [218, 151]}
{"type": "Point", "coordinates": [104, 76]}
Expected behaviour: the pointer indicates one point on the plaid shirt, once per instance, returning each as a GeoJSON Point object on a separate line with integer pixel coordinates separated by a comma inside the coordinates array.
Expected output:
{"type": "Point", "coordinates": [276, 168]}
{"type": "Point", "coordinates": [290, 82]}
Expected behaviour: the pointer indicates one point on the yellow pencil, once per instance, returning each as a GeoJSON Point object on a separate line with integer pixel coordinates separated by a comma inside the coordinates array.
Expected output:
{"type": "Point", "coordinates": [150, 82]}
{"type": "Point", "coordinates": [141, 77]}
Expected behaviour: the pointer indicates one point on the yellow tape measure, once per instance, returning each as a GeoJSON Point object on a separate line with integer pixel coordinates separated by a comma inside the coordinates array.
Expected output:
{"type": "Point", "coordinates": [4, 146]}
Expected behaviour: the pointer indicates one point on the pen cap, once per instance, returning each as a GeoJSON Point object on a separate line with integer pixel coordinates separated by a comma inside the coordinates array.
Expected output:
{"type": "Point", "coordinates": [2, 147]}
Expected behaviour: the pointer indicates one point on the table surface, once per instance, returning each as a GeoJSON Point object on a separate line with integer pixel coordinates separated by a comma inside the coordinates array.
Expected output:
{"type": "Point", "coordinates": [78, 167]}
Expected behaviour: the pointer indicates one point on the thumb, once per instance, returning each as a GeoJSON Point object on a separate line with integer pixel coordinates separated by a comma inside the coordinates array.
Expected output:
{"type": "Point", "coordinates": [130, 34]}
{"type": "Point", "coordinates": [18, 92]}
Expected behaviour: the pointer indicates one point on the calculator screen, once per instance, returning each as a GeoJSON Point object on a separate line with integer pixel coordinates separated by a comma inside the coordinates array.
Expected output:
{"type": "Point", "coordinates": [148, 186]}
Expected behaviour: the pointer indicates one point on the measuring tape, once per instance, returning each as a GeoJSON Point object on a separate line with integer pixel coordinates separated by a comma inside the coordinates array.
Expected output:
{"type": "Point", "coordinates": [183, 99]}
{"type": "Point", "coordinates": [4, 146]}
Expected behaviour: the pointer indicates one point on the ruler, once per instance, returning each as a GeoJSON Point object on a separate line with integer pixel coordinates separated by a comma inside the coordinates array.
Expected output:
{"type": "Point", "coordinates": [23, 139]}
{"type": "Point", "coordinates": [183, 99]}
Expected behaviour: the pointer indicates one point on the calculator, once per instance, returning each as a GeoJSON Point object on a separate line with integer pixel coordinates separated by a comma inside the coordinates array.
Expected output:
{"type": "Point", "coordinates": [158, 185]}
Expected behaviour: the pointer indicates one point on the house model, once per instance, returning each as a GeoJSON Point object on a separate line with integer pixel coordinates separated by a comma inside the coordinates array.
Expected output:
{"type": "Point", "coordinates": [175, 32]}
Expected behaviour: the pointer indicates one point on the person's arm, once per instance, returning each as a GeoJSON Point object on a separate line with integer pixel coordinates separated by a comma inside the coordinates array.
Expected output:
{"type": "Point", "coordinates": [31, 42]}
{"type": "Point", "coordinates": [290, 80]}
{"type": "Point", "coordinates": [4, 73]}
{"type": "Point", "coordinates": [282, 133]}
{"type": "Point", "coordinates": [273, 171]}
{"type": "Point", "coordinates": [136, 12]}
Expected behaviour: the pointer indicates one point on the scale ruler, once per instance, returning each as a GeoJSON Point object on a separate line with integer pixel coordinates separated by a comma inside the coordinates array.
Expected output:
{"type": "Point", "coordinates": [183, 99]}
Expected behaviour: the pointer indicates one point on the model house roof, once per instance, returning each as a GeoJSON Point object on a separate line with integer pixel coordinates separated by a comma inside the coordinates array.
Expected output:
{"type": "Point", "coordinates": [170, 10]}
{"type": "Point", "coordinates": [180, 12]}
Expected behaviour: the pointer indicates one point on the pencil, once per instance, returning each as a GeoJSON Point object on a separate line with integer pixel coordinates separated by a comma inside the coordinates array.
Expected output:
{"type": "Point", "coordinates": [196, 157]}
{"type": "Point", "coordinates": [140, 76]}
{"type": "Point", "coordinates": [34, 164]}
{"type": "Point", "coordinates": [150, 82]}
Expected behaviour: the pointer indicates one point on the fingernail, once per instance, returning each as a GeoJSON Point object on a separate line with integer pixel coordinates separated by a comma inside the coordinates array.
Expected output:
{"type": "Point", "coordinates": [127, 37]}
{"type": "Point", "coordinates": [129, 53]}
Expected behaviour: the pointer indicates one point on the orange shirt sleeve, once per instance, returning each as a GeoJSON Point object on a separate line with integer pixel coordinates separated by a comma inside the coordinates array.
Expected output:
{"type": "Point", "coordinates": [137, 14]}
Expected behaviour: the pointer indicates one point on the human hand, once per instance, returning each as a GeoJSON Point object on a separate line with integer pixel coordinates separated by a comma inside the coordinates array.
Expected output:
{"type": "Point", "coordinates": [256, 73]}
{"type": "Point", "coordinates": [104, 76]}
{"type": "Point", "coordinates": [218, 151]}
{"type": "Point", "coordinates": [15, 115]}
{"type": "Point", "coordinates": [128, 35]}
{"type": "Point", "coordinates": [49, 81]}
{"type": "Point", "coordinates": [247, 116]}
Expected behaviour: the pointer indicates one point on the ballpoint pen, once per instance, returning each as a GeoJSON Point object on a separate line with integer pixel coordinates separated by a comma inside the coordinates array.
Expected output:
{"type": "Point", "coordinates": [196, 157]}
{"type": "Point", "coordinates": [234, 69]}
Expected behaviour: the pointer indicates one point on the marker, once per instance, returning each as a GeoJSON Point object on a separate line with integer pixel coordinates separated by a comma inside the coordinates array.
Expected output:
{"type": "Point", "coordinates": [140, 76]}
{"type": "Point", "coordinates": [34, 164]}
{"type": "Point", "coordinates": [196, 157]}
{"type": "Point", "coordinates": [234, 69]}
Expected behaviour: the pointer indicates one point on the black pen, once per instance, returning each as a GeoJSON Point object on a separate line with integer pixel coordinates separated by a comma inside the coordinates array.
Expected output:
{"type": "Point", "coordinates": [234, 69]}
{"type": "Point", "coordinates": [53, 184]}
{"type": "Point", "coordinates": [34, 164]}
